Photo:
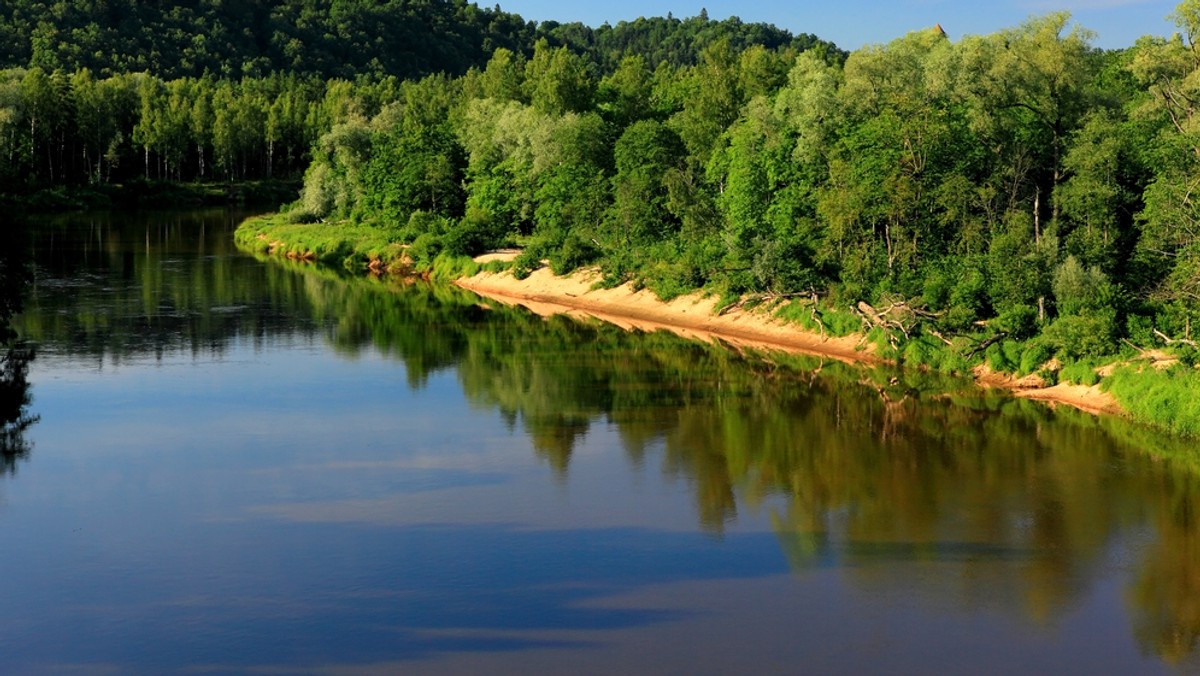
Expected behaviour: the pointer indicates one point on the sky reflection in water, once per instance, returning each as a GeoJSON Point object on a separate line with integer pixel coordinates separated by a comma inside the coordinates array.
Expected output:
{"type": "Point", "coordinates": [240, 464]}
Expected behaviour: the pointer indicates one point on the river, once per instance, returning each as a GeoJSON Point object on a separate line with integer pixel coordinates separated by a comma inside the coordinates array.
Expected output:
{"type": "Point", "coordinates": [234, 465]}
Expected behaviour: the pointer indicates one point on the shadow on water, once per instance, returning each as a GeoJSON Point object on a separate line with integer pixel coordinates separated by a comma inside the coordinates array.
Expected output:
{"type": "Point", "coordinates": [15, 356]}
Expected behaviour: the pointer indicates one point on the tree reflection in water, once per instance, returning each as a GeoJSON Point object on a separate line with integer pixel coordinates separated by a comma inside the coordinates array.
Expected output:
{"type": "Point", "coordinates": [902, 480]}
{"type": "Point", "coordinates": [14, 357]}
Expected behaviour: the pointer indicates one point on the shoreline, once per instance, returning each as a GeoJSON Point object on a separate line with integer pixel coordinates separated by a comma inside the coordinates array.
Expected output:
{"type": "Point", "coordinates": [692, 316]}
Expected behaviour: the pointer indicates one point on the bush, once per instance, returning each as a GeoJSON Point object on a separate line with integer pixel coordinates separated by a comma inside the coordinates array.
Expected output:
{"type": "Point", "coordinates": [1081, 336]}
{"type": "Point", "coordinates": [425, 248]}
{"type": "Point", "coordinates": [1018, 321]}
{"type": "Point", "coordinates": [574, 253]}
{"type": "Point", "coordinates": [302, 217]}
{"type": "Point", "coordinates": [524, 264]}
{"type": "Point", "coordinates": [917, 352]}
{"type": "Point", "coordinates": [1035, 354]}
{"type": "Point", "coordinates": [1080, 373]}
{"type": "Point", "coordinates": [998, 359]}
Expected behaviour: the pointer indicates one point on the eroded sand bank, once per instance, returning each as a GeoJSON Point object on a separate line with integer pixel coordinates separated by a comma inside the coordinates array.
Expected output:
{"type": "Point", "coordinates": [692, 316]}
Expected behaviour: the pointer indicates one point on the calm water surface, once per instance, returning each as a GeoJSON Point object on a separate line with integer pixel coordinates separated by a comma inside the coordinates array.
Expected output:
{"type": "Point", "coordinates": [245, 465]}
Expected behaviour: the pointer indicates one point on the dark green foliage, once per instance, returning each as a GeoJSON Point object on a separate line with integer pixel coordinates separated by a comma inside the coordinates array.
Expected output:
{"type": "Point", "coordinates": [999, 359]}
{"type": "Point", "coordinates": [1018, 321]}
{"type": "Point", "coordinates": [257, 37]}
{"type": "Point", "coordinates": [1080, 336]}
{"type": "Point", "coordinates": [676, 42]}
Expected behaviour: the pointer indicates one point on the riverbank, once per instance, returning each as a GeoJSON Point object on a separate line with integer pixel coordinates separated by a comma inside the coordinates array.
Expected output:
{"type": "Point", "coordinates": [694, 316]}
{"type": "Point", "coordinates": [360, 247]}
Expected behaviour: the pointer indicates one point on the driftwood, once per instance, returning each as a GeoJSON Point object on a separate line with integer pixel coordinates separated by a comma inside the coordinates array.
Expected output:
{"type": "Point", "coordinates": [1171, 341]}
{"type": "Point", "coordinates": [986, 344]}
{"type": "Point", "coordinates": [760, 298]}
{"type": "Point", "coordinates": [1130, 343]}
{"type": "Point", "coordinates": [899, 316]}
{"type": "Point", "coordinates": [939, 336]}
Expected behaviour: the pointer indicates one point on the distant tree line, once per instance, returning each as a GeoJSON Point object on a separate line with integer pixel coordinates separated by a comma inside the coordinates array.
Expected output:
{"type": "Point", "coordinates": [330, 39]}
{"type": "Point", "coordinates": [68, 129]}
{"type": "Point", "coordinates": [102, 93]}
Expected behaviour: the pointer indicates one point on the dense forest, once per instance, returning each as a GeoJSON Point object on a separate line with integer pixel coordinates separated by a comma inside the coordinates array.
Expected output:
{"type": "Point", "coordinates": [1008, 186]}
{"type": "Point", "coordinates": [111, 92]}
{"type": "Point", "coordinates": [344, 39]}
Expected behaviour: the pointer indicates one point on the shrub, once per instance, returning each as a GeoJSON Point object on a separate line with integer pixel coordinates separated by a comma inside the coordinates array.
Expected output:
{"type": "Point", "coordinates": [1081, 336]}
{"type": "Point", "coordinates": [1018, 321]}
{"type": "Point", "coordinates": [524, 264]}
{"type": "Point", "coordinates": [1035, 354]}
{"type": "Point", "coordinates": [425, 248]}
{"type": "Point", "coordinates": [1080, 373]}
{"type": "Point", "coordinates": [998, 359]}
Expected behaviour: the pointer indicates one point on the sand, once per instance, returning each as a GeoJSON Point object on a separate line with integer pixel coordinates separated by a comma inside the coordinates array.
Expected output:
{"type": "Point", "coordinates": [693, 317]}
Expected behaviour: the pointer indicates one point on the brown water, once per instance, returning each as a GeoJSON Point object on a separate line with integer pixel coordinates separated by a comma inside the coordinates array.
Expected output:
{"type": "Point", "coordinates": [245, 465]}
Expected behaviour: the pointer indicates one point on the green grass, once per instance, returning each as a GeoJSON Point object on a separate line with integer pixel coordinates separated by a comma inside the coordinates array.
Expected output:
{"type": "Point", "coordinates": [350, 245]}
{"type": "Point", "coordinates": [1079, 373]}
{"type": "Point", "coordinates": [1169, 399]}
{"type": "Point", "coordinates": [836, 323]}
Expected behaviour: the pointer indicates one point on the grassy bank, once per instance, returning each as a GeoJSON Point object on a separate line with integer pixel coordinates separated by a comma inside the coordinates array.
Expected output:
{"type": "Point", "coordinates": [1168, 398]}
{"type": "Point", "coordinates": [1161, 397]}
{"type": "Point", "coordinates": [352, 246]}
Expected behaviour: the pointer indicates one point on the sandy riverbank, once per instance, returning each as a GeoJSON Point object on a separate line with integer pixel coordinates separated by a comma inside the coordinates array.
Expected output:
{"type": "Point", "coordinates": [692, 316]}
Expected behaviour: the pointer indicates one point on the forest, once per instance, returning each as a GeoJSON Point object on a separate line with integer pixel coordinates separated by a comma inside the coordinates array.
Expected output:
{"type": "Point", "coordinates": [104, 94]}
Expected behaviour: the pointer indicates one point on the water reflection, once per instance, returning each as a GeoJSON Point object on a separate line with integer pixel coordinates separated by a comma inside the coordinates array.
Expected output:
{"type": "Point", "coordinates": [896, 480]}
{"type": "Point", "coordinates": [114, 287]}
{"type": "Point", "coordinates": [878, 471]}
{"type": "Point", "coordinates": [15, 356]}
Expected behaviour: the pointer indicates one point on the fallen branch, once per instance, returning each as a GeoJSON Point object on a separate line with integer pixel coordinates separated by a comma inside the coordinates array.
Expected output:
{"type": "Point", "coordinates": [939, 336]}
{"type": "Point", "coordinates": [759, 299]}
{"type": "Point", "coordinates": [1128, 342]}
{"type": "Point", "coordinates": [986, 344]}
{"type": "Point", "coordinates": [1171, 341]}
{"type": "Point", "coordinates": [816, 317]}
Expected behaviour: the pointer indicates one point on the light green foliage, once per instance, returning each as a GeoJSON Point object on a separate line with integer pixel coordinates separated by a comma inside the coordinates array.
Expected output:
{"type": "Point", "coordinates": [557, 81]}
{"type": "Point", "coordinates": [504, 77]}
{"type": "Point", "coordinates": [1081, 336]}
{"type": "Point", "coordinates": [1163, 398]}
{"type": "Point", "coordinates": [1034, 356]}
{"type": "Point", "coordinates": [1019, 264]}
{"type": "Point", "coordinates": [1078, 290]}
{"type": "Point", "coordinates": [1091, 200]}
{"type": "Point", "coordinates": [712, 98]}
{"type": "Point", "coordinates": [644, 155]}
{"type": "Point", "coordinates": [999, 359]}
{"type": "Point", "coordinates": [808, 107]}
{"type": "Point", "coordinates": [1082, 372]}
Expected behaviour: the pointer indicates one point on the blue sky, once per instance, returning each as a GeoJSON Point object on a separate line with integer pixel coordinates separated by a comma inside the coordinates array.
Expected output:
{"type": "Point", "coordinates": [853, 23]}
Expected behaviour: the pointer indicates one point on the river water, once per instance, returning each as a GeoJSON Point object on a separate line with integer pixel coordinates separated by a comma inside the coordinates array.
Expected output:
{"type": "Point", "coordinates": [242, 466]}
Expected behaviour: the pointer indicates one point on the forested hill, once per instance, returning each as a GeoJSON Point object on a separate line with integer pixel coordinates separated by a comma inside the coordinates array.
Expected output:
{"type": "Point", "coordinates": [332, 38]}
